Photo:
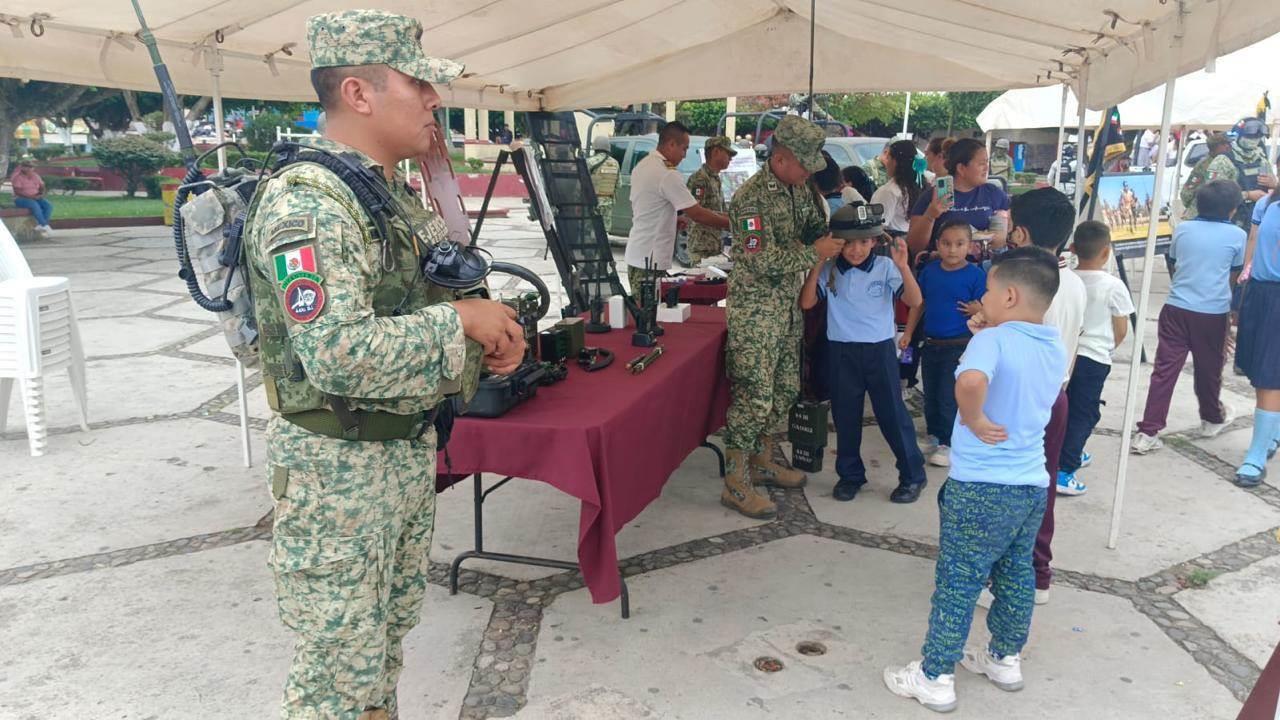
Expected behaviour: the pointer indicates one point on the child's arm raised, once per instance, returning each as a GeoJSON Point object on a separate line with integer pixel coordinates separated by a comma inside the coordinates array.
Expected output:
{"type": "Point", "coordinates": [809, 293]}
{"type": "Point", "coordinates": [911, 295]}
{"type": "Point", "coordinates": [971, 395]}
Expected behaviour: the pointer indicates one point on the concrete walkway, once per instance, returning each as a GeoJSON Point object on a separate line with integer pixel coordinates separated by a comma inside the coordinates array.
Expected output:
{"type": "Point", "coordinates": [133, 577]}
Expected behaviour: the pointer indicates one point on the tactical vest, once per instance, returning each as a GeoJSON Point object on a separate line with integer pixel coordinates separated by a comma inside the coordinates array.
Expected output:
{"type": "Point", "coordinates": [1247, 172]}
{"type": "Point", "coordinates": [288, 390]}
{"type": "Point", "coordinates": [604, 177]}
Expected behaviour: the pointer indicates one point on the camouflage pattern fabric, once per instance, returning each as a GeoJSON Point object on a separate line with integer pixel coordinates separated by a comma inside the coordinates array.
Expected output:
{"type": "Point", "coordinates": [803, 139]}
{"type": "Point", "coordinates": [1208, 169]}
{"type": "Point", "coordinates": [876, 170]}
{"type": "Point", "coordinates": [604, 171]}
{"type": "Point", "coordinates": [1248, 164]}
{"type": "Point", "coordinates": [987, 531]}
{"type": "Point", "coordinates": [774, 226]}
{"type": "Point", "coordinates": [1001, 165]}
{"type": "Point", "coordinates": [353, 519]}
{"type": "Point", "coordinates": [375, 37]}
{"type": "Point", "coordinates": [705, 187]}
{"type": "Point", "coordinates": [636, 275]}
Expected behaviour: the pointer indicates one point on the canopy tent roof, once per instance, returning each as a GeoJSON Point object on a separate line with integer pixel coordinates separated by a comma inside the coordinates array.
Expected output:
{"type": "Point", "coordinates": [1202, 99]}
{"type": "Point", "coordinates": [578, 53]}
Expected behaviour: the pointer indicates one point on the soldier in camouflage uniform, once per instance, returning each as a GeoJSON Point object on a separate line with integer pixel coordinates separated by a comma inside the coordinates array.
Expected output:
{"type": "Point", "coordinates": [704, 184]}
{"type": "Point", "coordinates": [604, 171]}
{"type": "Point", "coordinates": [1000, 164]}
{"type": "Point", "coordinates": [1213, 166]}
{"type": "Point", "coordinates": [778, 232]}
{"type": "Point", "coordinates": [357, 352]}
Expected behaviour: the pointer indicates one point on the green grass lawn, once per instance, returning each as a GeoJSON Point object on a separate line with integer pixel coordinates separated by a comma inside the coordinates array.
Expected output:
{"type": "Point", "coordinates": [67, 207]}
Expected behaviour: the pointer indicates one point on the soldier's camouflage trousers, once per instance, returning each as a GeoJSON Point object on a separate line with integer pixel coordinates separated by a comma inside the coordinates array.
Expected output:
{"type": "Point", "coordinates": [636, 275]}
{"type": "Point", "coordinates": [704, 243]}
{"type": "Point", "coordinates": [763, 363]}
{"type": "Point", "coordinates": [605, 205]}
{"type": "Point", "coordinates": [353, 523]}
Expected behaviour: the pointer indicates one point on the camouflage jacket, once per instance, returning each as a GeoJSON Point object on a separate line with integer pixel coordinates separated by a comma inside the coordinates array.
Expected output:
{"type": "Point", "coordinates": [1210, 168]}
{"type": "Point", "coordinates": [358, 318]}
{"type": "Point", "coordinates": [1002, 166]}
{"type": "Point", "coordinates": [705, 187]}
{"type": "Point", "coordinates": [774, 226]}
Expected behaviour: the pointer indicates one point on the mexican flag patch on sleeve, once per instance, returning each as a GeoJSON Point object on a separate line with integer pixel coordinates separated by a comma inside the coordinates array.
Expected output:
{"type": "Point", "coordinates": [298, 260]}
{"type": "Point", "coordinates": [752, 223]}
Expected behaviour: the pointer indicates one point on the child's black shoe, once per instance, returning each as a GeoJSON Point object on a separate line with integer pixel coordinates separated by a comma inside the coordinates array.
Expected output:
{"type": "Point", "coordinates": [847, 490]}
{"type": "Point", "coordinates": [907, 493]}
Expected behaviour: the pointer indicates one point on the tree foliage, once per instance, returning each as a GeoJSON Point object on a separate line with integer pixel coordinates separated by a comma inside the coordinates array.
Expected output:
{"type": "Point", "coordinates": [134, 157]}
{"type": "Point", "coordinates": [260, 132]}
{"type": "Point", "coordinates": [701, 116]}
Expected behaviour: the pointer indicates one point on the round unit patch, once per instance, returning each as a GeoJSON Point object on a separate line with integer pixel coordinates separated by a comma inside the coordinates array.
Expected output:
{"type": "Point", "coordinates": [303, 299]}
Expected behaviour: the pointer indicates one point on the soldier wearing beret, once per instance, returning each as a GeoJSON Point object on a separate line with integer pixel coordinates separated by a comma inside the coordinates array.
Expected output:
{"type": "Point", "coordinates": [358, 351]}
{"type": "Point", "coordinates": [778, 233]}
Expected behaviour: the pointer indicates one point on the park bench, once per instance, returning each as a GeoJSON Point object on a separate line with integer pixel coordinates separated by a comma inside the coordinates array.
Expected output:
{"type": "Point", "coordinates": [20, 222]}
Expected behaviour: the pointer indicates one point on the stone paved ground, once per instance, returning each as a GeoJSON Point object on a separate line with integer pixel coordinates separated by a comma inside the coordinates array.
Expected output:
{"type": "Point", "coordinates": [133, 581]}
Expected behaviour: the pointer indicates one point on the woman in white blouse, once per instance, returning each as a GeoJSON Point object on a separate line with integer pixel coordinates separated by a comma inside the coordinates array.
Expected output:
{"type": "Point", "coordinates": [904, 186]}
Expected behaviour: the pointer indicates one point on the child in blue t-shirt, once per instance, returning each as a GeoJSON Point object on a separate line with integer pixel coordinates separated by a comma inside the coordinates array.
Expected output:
{"type": "Point", "coordinates": [994, 500]}
{"type": "Point", "coordinates": [952, 288]}
{"type": "Point", "coordinates": [860, 288]}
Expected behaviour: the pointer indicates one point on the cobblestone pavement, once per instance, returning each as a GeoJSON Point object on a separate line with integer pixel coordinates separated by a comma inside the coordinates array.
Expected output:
{"type": "Point", "coordinates": [123, 279]}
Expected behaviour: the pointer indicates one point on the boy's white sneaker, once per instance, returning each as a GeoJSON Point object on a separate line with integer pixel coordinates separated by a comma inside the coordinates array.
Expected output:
{"type": "Point", "coordinates": [1005, 673]}
{"type": "Point", "coordinates": [940, 457]}
{"type": "Point", "coordinates": [1042, 596]}
{"type": "Point", "coordinates": [1210, 430]}
{"type": "Point", "coordinates": [1144, 443]}
{"type": "Point", "coordinates": [911, 682]}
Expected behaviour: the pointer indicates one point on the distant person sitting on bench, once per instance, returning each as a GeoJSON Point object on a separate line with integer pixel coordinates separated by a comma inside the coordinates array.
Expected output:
{"type": "Point", "coordinates": [28, 193]}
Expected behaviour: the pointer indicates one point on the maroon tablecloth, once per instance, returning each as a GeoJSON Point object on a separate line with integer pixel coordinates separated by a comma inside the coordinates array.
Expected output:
{"type": "Point", "coordinates": [609, 438]}
{"type": "Point", "coordinates": [1262, 701]}
{"type": "Point", "coordinates": [696, 293]}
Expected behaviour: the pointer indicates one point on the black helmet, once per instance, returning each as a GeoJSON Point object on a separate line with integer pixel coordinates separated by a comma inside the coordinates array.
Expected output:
{"type": "Point", "coordinates": [1250, 127]}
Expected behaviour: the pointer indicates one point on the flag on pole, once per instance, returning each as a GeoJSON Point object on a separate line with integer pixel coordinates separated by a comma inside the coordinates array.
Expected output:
{"type": "Point", "coordinates": [1108, 145]}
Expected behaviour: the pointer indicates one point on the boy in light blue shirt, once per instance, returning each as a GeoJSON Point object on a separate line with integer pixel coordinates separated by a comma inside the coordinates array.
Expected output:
{"type": "Point", "coordinates": [994, 500]}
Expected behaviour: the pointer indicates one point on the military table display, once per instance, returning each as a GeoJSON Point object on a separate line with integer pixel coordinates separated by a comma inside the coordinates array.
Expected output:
{"type": "Point", "coordinates": [609, 438]}
{"type": "Point", "coordinates": [697, 292]}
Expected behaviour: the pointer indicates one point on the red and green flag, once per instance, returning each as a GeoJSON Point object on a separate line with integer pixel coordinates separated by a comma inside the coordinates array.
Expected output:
{"type": "Point", "coordinates": [295, 261]}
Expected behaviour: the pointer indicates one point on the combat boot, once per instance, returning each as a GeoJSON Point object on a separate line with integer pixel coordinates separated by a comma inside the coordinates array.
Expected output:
{"type": "Point", "coordinates": [765, 469]}
{"type": "Point", "coordinates": [738, 493]}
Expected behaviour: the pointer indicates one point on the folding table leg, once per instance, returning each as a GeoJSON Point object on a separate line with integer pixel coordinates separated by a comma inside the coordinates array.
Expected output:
{"type": "Point", "coordinates": [479, 494]}
{"type": "Point", "coordinates": [6, 388]}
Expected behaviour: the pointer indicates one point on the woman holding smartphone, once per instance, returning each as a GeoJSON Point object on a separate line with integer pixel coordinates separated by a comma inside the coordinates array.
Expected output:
{"type": "Point", "coordinates": [965, 195]}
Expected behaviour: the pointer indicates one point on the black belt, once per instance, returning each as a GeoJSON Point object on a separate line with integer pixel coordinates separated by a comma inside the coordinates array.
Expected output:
{"type": "Point", "coordinates": [363, 425]}
{"type": "Point", "coordinates": [948, 342]}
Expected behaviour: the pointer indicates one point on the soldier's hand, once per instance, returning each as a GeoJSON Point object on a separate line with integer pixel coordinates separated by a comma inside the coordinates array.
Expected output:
{"type": "Point", "coordinates": [828, 247]}
{"type": "Point", "coordinates": [1255, 195]}
{"type": "Point", "coordinates": [491, 324]}
{"type": "Point", "coordinates": [504, 363]}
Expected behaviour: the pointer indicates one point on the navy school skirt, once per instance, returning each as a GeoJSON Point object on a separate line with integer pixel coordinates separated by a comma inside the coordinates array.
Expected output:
{"type": "Point", "coordinates": [1258, 337]}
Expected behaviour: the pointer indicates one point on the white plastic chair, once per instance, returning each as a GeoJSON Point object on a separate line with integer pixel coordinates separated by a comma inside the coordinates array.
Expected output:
{"type": "Point", "coordinates": [38, 336]}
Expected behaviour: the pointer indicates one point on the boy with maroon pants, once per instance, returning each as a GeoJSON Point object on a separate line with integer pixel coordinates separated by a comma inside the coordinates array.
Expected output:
{"type": "Point", "coordinates": [1044, 218]}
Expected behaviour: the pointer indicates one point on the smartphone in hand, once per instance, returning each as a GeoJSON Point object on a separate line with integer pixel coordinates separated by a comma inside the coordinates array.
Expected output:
{"type": "Point", "coordinates": [945, 189]}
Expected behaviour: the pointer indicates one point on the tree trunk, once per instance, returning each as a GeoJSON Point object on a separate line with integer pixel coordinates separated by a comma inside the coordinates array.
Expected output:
{"type": "Point", "coordinates": [201, 106]}
{"type": "Point", "coordinates": [7, 128]}
{"type": "Point", "coordinates": [131, 102]}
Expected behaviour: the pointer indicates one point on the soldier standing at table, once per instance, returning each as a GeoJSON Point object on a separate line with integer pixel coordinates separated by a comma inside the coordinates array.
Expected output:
{"type": "Point", "coordinates": [704, 184]}
{"type": "Point", "coordinates": [604, 177]}
{"type": "Point", "coordinates": [358, 350]}
{"type": "Point", "coordinates": [778, 232]}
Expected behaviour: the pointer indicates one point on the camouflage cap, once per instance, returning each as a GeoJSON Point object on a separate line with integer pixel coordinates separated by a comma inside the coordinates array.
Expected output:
{"type": "Point", "coordinates": [720, 141]}
{"type": "Point", "coordinates": [375, 37]}
{"type": "Point", "coordinates": [803, 139]}
{"type": "Point", "coordinates": [1002, 143]}
{"type": "Point", "coordinates": [1217, 139]}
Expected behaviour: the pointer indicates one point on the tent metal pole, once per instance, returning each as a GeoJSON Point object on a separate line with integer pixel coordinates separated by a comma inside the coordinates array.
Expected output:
{"type": "Point", "coordinates": [1175, 202]}
{"type": "Point", "coordinates": [813, 32]}
{"type": "Point", "coordinates": [1144, 299]}
{"type": "Point", "coordinates": [215, 71]}
{"type": "Point", "coordinates": [906, 114]}
{"type": "Point", "coordinates": [988, 138]}
{"type": "Point", "coordinates": [1062, 131]}
{"type": "Point", "coordinates": [1081, 145]}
